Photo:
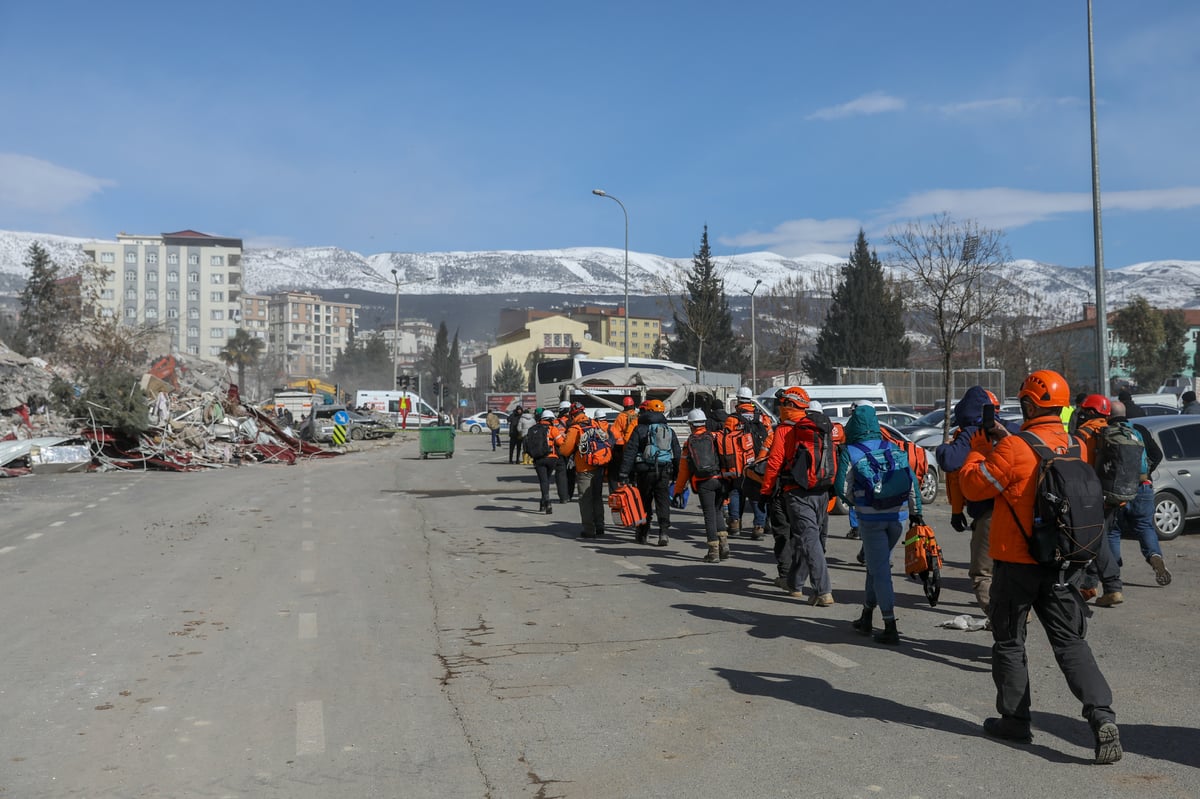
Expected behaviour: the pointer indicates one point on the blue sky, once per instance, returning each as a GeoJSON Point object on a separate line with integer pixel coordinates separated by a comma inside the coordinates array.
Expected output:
{"type": "Point", "coordinates": [783, 126]}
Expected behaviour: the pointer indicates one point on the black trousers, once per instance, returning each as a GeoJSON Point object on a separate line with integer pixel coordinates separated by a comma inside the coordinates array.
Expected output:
{"type": "Point", "coordinates": [780, 527]}
{"type": "Point", "coordinates": [710, 493]}
{"type": "Point", "coordinates": [546, 469]}
{"type": "Point", "coordinates": [566, 479]}
{"type": "Point", "coordinates": [614, 468]}
{"type": "Point", "coordinates": [654, 485]}
{"type": "Point", "coordinates": [1017, 587]}
{"type": "Point", "coordinates": [514, 449]}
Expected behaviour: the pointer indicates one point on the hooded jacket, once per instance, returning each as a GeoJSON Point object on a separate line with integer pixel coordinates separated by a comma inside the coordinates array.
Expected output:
{"type": "Point", "coordinates": [968, 414]}
{"type": "Point", "coordinates": [569, 444]}
{"type": "Point", "coordinates": [639, 436]}
{"type": "Point", "coordinates": [862, 437]}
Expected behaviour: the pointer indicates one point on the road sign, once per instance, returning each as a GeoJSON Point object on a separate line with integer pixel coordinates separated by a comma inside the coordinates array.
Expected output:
{"type": "Point", "coordinates": [342, 418]}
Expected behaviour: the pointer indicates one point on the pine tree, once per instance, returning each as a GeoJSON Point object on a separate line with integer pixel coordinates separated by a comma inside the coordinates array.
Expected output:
{"type": "Point", "coordinates": [865, 323]}
{"type": "Point", "coordinates": [704, 332]}
{"type": "Point", "coordinates": [1154, 341]}
{"type": "Point", "coordinates": [509, 377]}
{"type": "Point", "coordinates": [41, 303]}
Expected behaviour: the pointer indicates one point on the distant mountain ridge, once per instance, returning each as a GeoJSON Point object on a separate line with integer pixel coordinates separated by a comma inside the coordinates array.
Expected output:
{"type": "Point", "coordinates": [590, 271]}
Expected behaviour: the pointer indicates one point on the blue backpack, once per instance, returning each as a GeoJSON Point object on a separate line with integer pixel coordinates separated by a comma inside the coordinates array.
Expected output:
{"type": "Point", "coordinates": [657, 451]}
{"type": "Point", "coordinates": [882, 476]}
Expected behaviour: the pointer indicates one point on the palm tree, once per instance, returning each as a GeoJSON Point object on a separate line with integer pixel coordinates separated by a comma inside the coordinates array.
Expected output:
{"type": "Point", "coordinates": [240, 351]}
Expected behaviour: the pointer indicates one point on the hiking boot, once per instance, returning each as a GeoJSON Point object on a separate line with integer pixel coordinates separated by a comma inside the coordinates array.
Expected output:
{"type": "Point", "coordinates": [1108, 743]}
{"type": "Point", "coordinates": [734, 527]}
{"type": "Point", "coordinates": [889, 634]}
{"type": "Point", "coordinates": [1110, 599]}
{"type": "Point", "coordinates": [853, 533]}
{"type": "Point", "coordinates": [822, 601]}
{"type": "Point", "coordinates": [798, 594]}
{"type": "Point", "coordinates": [1010, 729]}
{"type": "Point", "coordinates": [781, 582]}
{"type": "Point", "coordinates": [861, 558]}
{"type": "Point", "coordinates": [1088, 593]}
{"type": "Point", "coordinates": [662, 538]}
{"type": "Point", "coordinates": [549, 508]}
{"type": "Point", "coordinates": [757, 535]}
{"type": "Point", "coordinates": [862, 625]}
{"type": "Point", "coordinates": [643, 532]}
{"type": "Point", "coordinates": [723, 548]}
{"type": "Point", "coordinates": [1161, 575]}
{"type": "Point", "coordinates": [587, 535]}
{"type": "Point", "coordinates": [712, 556]}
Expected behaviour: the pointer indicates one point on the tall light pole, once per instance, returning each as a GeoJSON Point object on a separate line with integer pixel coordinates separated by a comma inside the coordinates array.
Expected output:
{"type": "Point", "coordinates": [396, 334]}
{"type": "Point", "coordinates": [602, 193]}
{"type": "Point", "coordinates": [1098, 237]}
{"type": "Point", "coordinates": [753, 342]}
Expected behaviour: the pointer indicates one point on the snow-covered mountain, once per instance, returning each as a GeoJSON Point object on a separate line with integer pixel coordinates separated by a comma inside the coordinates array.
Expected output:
{"type": "Point", "coordinates": [588, 271]}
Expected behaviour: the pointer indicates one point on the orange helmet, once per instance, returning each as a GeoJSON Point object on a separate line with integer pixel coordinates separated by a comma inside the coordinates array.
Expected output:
{"type": "Point", "coordinates": [839, 433]}
{"type": "Point", "coordinates": [655, 405]}
{"type": "Point", "coordinates": [1046, 388]}
{"type": "Point", "coordinates": [1097, 403]}
{"type": "Point", "coordinates": [992, 398]}
{"type": "Point", "coordinates": [795, 396]}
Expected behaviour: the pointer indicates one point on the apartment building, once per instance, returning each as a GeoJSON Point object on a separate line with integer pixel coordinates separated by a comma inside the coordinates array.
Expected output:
{"type": "Point", "coordinates": [187, 284]}
{"type": "Point", "coordinates": [255, 318]}
{"type": "Point", "coordinates": [607, 325]}
{"type": "Point", "coordinates": [310, 330]}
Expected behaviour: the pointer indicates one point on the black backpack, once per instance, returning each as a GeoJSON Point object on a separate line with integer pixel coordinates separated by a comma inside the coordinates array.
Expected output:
{"type": "Point", "coordinates": [1119, 463]}
{"type": "Point", "coordinates": [1068, 510]}
{"type": "Point", "coordinates": [703, 456]}
{"type": "Point", "coordinates": [537, 442]}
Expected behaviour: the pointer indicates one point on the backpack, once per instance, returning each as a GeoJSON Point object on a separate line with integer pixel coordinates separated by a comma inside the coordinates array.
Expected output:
{"type": "Point", "coordinates": [537, 441]}
{"type": "Point", "coordinates": [813, 464]}
{"type": "Point", "coordinates": [1068, 508]}
{"type": "Point", "coordinates": [882, 475]}
{"type": "Point", "coordinates": [918, 458]}
{"type": "Point", "coordinates": [758, 433]}
{"type": "Point", "coordinates": [594, 446]}
{"type": "Point", "coordinates": [737, 449]}
{"type": "Point", "coordinates": [1119, 463]}
{"type": "Point", "coordinates": [703, 457]}
{"type": "Point", "coordinates": [658, 450]}
{"type": "Point", "coordinates": [923, 558]}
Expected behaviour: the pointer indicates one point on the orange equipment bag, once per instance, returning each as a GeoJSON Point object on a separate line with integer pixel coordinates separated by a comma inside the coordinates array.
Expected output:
{"type": "Point", "coordinates": [626, 506]}
{"type": "Point", "coordinates": [923, 559]}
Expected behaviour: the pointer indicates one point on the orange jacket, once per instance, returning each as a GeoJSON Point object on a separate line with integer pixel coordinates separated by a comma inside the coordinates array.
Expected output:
{"type": "Point", "coordinates": [1089, 434]}
{"type": "Point", "coordinates": [554, 435]}
{"type": "Point", "coordinates": [783, 450]}
{"type": "Point", "coordinates": [569, 444]}
{"type": "Point", "coordinates": [685, 468]}
{"type": "Point", "coordinates": [623, 425]}
{"type": "Point", "coordinates": [1008, 470]}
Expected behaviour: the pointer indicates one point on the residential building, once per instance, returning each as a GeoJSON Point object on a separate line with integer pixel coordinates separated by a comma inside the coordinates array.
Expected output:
{"type": "Point", "coordinates": [310, 330]}
{"type": "Point", "coordinates": [607, 325]}
{"type": "Point", "coordinates": [185, 283]}
{"type": "Point", "coordinates": [255, 318]}
{"type": "Point", "coordinates": [542, 336]}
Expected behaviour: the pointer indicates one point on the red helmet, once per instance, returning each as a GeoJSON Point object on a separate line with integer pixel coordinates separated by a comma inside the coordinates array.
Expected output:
{"type": "Point", "coordinates": [627, 402]}
{"type": "Point", "coordinates": [1046, 388]}
{"type": "Point", "coordinates": [576, 407]}
{"type": "Point", "coordinates": [1098, 404]}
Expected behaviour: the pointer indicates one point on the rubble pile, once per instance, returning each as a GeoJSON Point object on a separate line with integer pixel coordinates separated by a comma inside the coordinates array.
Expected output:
{"type": "Point", "coordinates": [198, 421]}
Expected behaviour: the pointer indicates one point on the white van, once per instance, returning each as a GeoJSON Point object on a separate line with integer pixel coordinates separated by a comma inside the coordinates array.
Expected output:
{"type": "Point", "coordinates": [835, 400]}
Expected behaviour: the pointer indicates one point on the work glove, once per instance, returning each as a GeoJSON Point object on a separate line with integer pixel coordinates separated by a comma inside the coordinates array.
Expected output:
{"type": "Point", "coordinates": [959, 522]}
{"type": "Point", "coordinates": [677, 501]}
{"type": "Point", "coordinates": [916, 520]}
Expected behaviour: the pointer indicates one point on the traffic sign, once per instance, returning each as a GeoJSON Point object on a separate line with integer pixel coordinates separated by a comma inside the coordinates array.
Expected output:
{"type": "Point", "coordinates": [342, 418]}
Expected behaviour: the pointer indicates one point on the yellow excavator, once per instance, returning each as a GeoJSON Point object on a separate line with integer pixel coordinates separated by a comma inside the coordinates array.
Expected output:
{"type": "Point", "coordinates": [330, 393]}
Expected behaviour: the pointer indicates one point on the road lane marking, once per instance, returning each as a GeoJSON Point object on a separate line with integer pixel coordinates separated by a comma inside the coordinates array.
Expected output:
{"type": "Point", "coordinates": [307, 523]}
{"type": "Point", "coordinates": [951, 710]}
{"type": "Point", "coordinates": [90, 505]}
{"type": "Point", "coordinates": [308, 546]}
{"type": "Point", "coordinates": [102, 499]}
{"type": "Point", "coordinates": [308, 575]}
{"type": "Point", "coordinates": [33, 536]}
{"type": "Point", "coordinates": [310, 728]}
{"type": "Point", "coordinates": [832, 657]}
{"type": "Point", "coordinates": [58, 523]}
{"type": "Point", "coordinates": [306, 500]}
{"type": "Point", "coordinates": [627, 565]}
{"type": "Point", "coordinates": [308, 626]}
{"type": "Point", "coordinates": [6, 550]}
{"type": "Point", "coordinates": [76, 513]}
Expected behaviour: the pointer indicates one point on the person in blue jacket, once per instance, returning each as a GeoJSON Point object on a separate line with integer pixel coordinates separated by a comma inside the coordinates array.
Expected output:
{"type": "Point", "coordinates": [968, 414]}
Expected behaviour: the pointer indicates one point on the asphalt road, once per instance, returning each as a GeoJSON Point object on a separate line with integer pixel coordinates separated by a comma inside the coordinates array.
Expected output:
{"type": "Point", "coordinates": [377, 625]}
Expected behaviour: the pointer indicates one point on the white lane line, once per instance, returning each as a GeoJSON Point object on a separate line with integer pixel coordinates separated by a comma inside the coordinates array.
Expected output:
{"type": "Point", "coordinates": [832, 657]}
{"type": "Point", "coordinates": [306, 524]}
{"type": "Point", "coordinates": [310, 728]}
{"type": "Point", "coordinates": [33, 536]}
{"type": "Point", "coordinates": [76, 513]}
{"type": "Point", "coordinates": [58, 523]}
{"type": "Point", "coordinates": [308, 626]}
{"type": "Point", "coordinates": [627, 565]}
{"type": "Point", "coordinates": [308, 546]}
{"type": "Point", "coordinates": [90, 505]}
{"type": "Point", "coordinates": [6, 550]}
{"type": "Point", "coordinates": [102, 499]}
{"type": "Point", "coordinates": [306, 499]}
{"type": "Point", "coordinates": [951, 710]}
{"type": "Point", "coordinates": [308, 575]}
{"type": "Point", "coordinates": [115, 494]}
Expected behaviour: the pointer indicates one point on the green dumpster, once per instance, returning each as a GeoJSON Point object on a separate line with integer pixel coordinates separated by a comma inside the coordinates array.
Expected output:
{"type": "Point", "coordinates": [438, 440]}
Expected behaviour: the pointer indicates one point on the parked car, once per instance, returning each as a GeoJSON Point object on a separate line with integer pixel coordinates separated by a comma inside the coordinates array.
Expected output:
{"type": "Point", "coordinates": [1177, 478]}
{"type": "Point", "coordinates": [364, 425]}
{"type": "Point", "coordinates": [924, 425]}
{"type": "Point", "coordinates": [477, 423]}
{"type": "Point", "coordinates": [896, 418]}
{"type": "Point", "coordinates": [929, 486]}
{"type": "Point", "coordinates": [1159, 410]}
{"type": "Point", "coordinates": [319, 426]}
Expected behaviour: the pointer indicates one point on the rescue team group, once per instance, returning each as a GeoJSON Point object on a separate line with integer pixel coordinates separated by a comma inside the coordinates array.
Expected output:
{"type": "Point", "coordinates": [1030, 554]}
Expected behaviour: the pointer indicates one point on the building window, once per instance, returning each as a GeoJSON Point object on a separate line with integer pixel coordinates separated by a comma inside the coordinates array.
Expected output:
{"type": "Point", "coordinates": [214, 350]}
{"type": "Point", "coordinates": [106, 258]}
{"type": "Point", "coordinates": [152, 258]}
{"type": "Point", "coordinates": [131, 257]}
{"type": "Point", "coordinates": [152, 294]}
{"type": "Point", "coordinates": [152, 277]}
{"type": "Point", "coordinates": [216, 277]}
{"type": "Point", "coordinates": [193, 260]}
{"type": "Point", "coordinates": [193, 313]}
{"type": "Point", "coordinates": [216, 332]}
{"type": "Point", "coordinates": [172, 313]}
{"type": "Point", "coordinates": [131, 294]}
{"type": "Point", "coordinates": [193, 295]}
{"type": "Point", "coordinates": [106, 313]}
{"type": "Point", "coordinates": [172, 276]}
{"type": "Point", "coordinates": [193, 349]}
{"type": "Point", "coordinates": [193, 277]}
{"type": "Point", "coordinates": [216, 314]}
{"type": "Point", "coordinates": [106, 294]}
{"type": "Point", "coordinates": [193, 332]}
{"type": "Point", "coordinates": [217, 296]}
{"type": "Point", "coordinates": [216, 260]}
{"type": "Point", "coordinates": [130, 275]}
{"type": "Point", "coordinates": [173, 258]}
{"type": "Point", "coordinates": [151, 313]}
{"type": "Point", "coordinates": [173, 332]}
{"type": "Point", "coordinates": [173, 295]}
{"type": "Point", "coordinates": [567, 341]}
{"type": "Point", "coordinates": [131, 313]}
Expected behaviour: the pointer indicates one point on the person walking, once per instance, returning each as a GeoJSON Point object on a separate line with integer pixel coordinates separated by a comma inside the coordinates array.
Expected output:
{"type": "Point", "coordinates": [746, 493]}
{"type": "Point", "coordinates": [589, 477]}
{"type": "Point", "coordinates": [621, 428]}
{"type": "Point", "coordinates": [799, 474]}
{"type": "Point", "coordinates": [492, 420]}
{"type": "Point", "coordinates": [650, 461]}
{"type": "Point", "coordinates": [566, 469]}
{"type": "Point", "coordinates": [524, 425]}
{"type": "Point", "coordinates": [1136, 517]}
{"type": "Point", "coordinates": [542, 442]}
{"type": "Point", "coordinates": [1006, 466]}
{"type": "Point", "coordinates": [701, 465]}
{"type": "Point", "coordinates": [514, 435]}
{"type": "Point", "coordinates": [875, 477]}
{"type": "Point", "coordinates": [1091, 421]}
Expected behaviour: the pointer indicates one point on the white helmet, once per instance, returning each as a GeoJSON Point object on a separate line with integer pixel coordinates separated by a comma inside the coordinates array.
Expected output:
{"type": "Point", "coordinates": [815, 406]}
{"type": "Point", "coordinates": [564, 405]}
{"type": "Point", "coordinates": [598, 413]}
{"type": "Point", "coordinates": [745, 393]}
{"type": "Point", "coordinates": [696, 417]}
{"type": "Point", "coordinates": [548, 415]}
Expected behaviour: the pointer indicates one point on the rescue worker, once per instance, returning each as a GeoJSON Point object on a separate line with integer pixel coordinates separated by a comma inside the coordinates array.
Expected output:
{"type": "Point", "coordinates": [643, 465]}
{"type": "Point", "coordinates": [1005, 466]}
{"type": "Point", "coordinates": [621, 428]}
{"type": "Point", "coordinates": [1136, 517]}
{"type": "Point", "coordinates": [1091, 418]}
{"type": "Point", "coordinates": [589, 479]}
{"type": "Point", "coordinates": [706, 488]}
{"type": "Point", "coordinates": [566, 469]}
{"type": "Point", "coordinates": [547, 466]}
{"type": "Point", "coordinates": [747, 494]}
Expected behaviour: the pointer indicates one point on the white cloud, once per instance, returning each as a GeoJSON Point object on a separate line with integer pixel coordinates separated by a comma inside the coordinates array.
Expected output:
{"type": "Point", "coordinates": [873, 103]}
{"type": "Point", "coordinates": [31, 184]}
{"type": "Point", "coordinates": [801, 237]}
{"type": "Point", "coordinates": [1004, 105]}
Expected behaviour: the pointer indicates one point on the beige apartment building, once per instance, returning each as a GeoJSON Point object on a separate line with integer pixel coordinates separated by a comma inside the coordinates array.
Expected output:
{"type": "Point", "coordinates": [310, 330]}
{"type": "Point", "coordinates": [187, 284]}
{"type": "Point", "coordinates": [607, 325]}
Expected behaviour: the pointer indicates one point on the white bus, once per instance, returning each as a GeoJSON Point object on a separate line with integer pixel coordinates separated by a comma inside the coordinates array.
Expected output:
{"type": "Point", "coordinates": [549, 375]}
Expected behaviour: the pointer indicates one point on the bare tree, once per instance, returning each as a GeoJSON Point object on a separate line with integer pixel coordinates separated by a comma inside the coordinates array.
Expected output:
{"type": "Point", "coordinates": [951, 284]}
{"type": "Point", "coordinates": [790, 316]}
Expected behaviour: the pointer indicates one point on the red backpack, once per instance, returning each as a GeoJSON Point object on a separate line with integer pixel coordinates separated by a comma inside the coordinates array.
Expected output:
{"type": "Point", "coordinates": [814, 465]}
{"type": "Point", "coordinates": [736, 449]}
{"type": "Point", "coordinates": [918, 459]}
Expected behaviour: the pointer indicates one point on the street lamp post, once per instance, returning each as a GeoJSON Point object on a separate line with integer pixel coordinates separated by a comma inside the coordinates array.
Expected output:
{"type": "Point", "coordinates": [753, 342]}
{"type": "Point", "coordinates": [396, 334]}
{"type": "Point", "coordinates": [602, 193]}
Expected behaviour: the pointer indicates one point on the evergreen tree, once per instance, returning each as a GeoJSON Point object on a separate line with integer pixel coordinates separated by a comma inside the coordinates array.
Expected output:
{"type": "Point", "coordinates": [864, 326]}
{"type": "Point", "coordinates": [704, 332]}
{"type": "Point", "coordinates": [510, 376]}
{"type": "Point", "coordinates": [1154, 341]}
{"type": "Point", "coordinates": [454, 378]}
{"type": "Point", "coordinates": [41, 304]}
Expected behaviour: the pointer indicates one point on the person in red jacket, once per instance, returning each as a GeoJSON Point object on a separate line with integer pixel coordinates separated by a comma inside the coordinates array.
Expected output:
{"type": "Point", "coordinates": [1002, 465]}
